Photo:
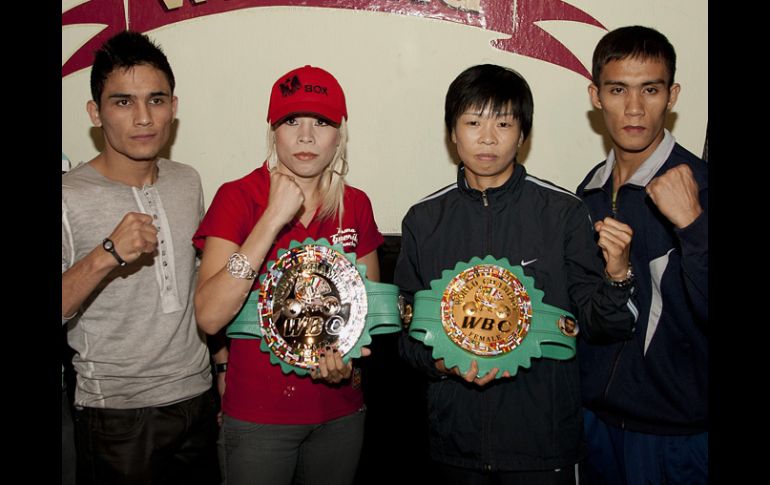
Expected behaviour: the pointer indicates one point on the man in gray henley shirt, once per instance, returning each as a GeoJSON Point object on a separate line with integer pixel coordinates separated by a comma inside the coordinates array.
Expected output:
{"type": "Point", "coordinates": [144, 410]}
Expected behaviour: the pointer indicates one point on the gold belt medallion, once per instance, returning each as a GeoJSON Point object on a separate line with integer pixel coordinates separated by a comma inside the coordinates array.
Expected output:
{"type": "Point", "coordinates": [486, 310]}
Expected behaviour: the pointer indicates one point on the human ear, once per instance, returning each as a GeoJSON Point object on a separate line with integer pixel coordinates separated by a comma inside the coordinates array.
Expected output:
{"type": "Point", "coordinates": [93, 113]}
{"type": "Point", "coordinates": [593, 93]}
{"type": "Point", "coordinates": [174, 103]}
{"type": "Point", "coordinates": [673, 95]}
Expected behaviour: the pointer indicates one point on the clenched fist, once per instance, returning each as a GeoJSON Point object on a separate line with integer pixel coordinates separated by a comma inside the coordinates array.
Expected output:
{"type": "Point", "coordinates": [675, 193]}
{"type": "Point", "coordinates": [615, 242]}
{"type": "Point", "coordinates": [134, 236]}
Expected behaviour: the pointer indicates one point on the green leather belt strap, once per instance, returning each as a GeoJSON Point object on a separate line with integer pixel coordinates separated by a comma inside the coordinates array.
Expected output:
{"type": "Point", "coordinates": [382, 316]}
{"type": "Point", "coordinates": [246, 323]}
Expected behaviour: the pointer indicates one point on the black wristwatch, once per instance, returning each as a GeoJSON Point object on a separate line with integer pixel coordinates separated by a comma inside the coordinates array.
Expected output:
{"type": "Point", "coordinates": [220, 367]}
{"type": "Point", "coordinates": [109, 246]}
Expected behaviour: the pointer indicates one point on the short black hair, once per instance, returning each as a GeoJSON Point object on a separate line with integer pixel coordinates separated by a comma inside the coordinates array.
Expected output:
{"type": "Point", "coordinates": [124, 51]}
{"type": "Point", "coordinates": [634, 41]}
{"type": "Point", "coordinates": [492, 86]}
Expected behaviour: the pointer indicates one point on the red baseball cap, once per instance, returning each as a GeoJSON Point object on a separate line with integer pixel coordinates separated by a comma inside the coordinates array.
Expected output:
{"type": "Point", "coordinates": [307, 90]}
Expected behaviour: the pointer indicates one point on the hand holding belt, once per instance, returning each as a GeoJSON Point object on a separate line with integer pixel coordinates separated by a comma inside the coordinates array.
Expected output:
{"type": "Point", "coordinates": [490, 311]}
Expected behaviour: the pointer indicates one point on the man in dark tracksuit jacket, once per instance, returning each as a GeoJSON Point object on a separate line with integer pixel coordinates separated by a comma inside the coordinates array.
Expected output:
{"type": "Point", "coordinates": [647, 396]}
{"type": "Point", "coordinates": [525, 429]}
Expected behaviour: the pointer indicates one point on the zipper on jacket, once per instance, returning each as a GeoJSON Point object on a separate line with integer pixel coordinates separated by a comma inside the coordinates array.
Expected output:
{"type": "Point", "coordinates": [612, 372]}
{"type": "Point", "coordinates": [484, 199]}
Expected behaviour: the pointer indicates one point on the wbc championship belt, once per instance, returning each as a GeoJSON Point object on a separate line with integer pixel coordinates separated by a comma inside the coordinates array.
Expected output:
{"type": "Point", "coordinates": [313, 295]}
{"type": "Point", "coordinates": [490, 311]}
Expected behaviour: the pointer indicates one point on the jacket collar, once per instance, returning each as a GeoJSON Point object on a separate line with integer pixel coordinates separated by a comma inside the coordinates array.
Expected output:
{"type": "Point", "coordinates": [644, 173]}
{"type": "Point", "coordinates": [493, 193]}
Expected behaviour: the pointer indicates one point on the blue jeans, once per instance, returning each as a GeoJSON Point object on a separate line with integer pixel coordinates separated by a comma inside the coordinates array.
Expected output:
{"type": "Point", "coordinates": [324, 453]}
{"type": "Point", "coordinates": [620, 457]}
{"type": "Point", "coordinates": [155, 445]}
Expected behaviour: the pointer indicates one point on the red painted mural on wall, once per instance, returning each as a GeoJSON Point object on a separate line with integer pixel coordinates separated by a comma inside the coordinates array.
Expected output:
{"type": "Point", "coordinates": [515, 18]}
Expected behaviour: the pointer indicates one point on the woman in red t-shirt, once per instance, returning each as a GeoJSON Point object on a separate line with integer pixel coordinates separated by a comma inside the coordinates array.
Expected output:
{"type": "Point", "coordinates": [278, 425]}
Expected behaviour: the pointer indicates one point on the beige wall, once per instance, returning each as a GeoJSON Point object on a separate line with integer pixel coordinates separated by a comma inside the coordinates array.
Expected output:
{"type": "Point", "coordinates": [395, 71]}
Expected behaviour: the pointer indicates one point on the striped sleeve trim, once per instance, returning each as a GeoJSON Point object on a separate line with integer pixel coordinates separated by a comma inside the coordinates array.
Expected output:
{"type": "Point", "coordinates": [438, 193]}
{"type": "Point", "coordinates": [632, 308]}
{"type": "Point", "coordinates": [549, 185]}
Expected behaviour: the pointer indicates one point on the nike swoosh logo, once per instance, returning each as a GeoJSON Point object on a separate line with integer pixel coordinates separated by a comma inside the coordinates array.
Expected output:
{"type": "Point", "coordinates": [524, 263]}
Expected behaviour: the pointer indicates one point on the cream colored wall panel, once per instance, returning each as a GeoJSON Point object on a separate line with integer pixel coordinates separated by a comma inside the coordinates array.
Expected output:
{"type": "Point", "coordinates": [395, 70]}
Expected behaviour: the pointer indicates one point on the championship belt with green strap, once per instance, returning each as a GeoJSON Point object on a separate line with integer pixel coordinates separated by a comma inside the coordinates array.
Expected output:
{"type": "Point", "coordinates": [488, 310]}
{"type": "Point", "coordinates": [313, 295]}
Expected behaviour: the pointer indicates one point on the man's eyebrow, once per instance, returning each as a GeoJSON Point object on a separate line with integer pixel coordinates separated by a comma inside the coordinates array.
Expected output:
{"type": "Point", "coordinates": [624, 84]}
{"type": "Point", "coordinates": [153, 94]}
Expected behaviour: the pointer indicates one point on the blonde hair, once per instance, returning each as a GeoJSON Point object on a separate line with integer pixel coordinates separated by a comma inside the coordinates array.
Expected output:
{"type": "Point", "coordinates": [333, 179]}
